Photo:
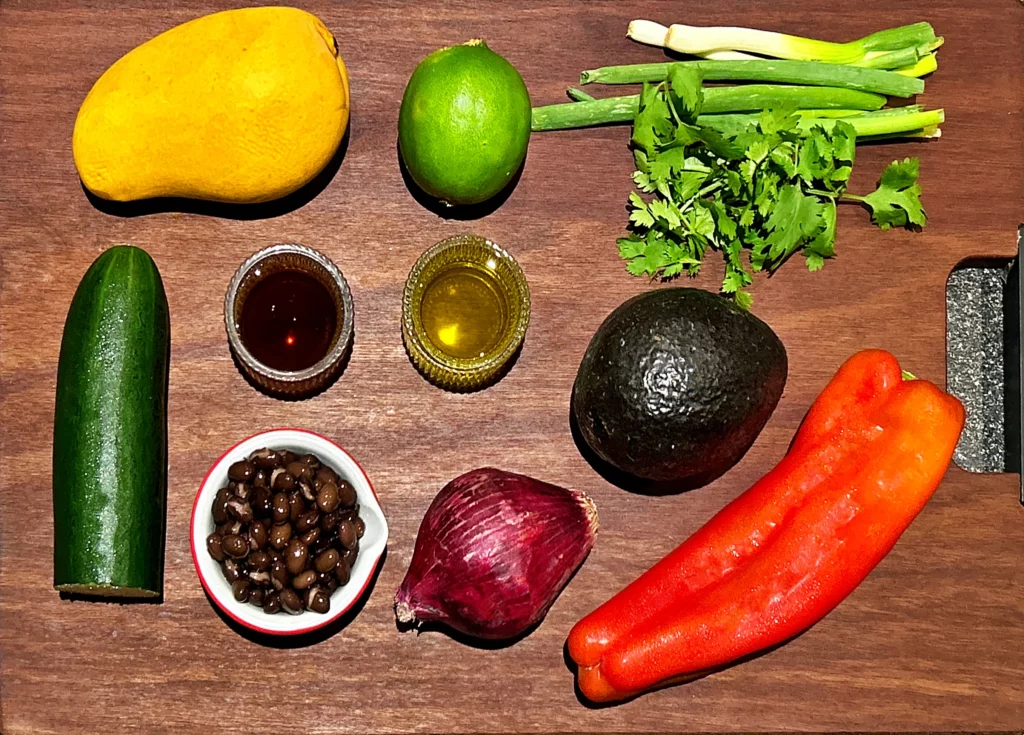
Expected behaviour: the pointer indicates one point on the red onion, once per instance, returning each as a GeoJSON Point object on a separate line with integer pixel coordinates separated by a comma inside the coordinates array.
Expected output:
{"type": "Point", "coordinates": [493, 552]}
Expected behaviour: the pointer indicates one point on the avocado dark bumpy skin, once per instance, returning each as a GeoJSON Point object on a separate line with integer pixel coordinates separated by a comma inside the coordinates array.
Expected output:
{"type": "Point", "coordinates": [676, 385]}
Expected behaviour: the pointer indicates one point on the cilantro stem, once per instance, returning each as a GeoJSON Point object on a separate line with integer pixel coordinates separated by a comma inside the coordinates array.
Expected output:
{"type": "Point", "coordinates": [814, 73]}
{"type": "Point", "coordinates": [749, 97]}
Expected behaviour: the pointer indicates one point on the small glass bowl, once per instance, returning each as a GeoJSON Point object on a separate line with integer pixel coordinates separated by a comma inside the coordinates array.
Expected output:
{"type": "Point", "coordinates": [290, 257]}
{"type": "Point", "coordinates": [463, 374]}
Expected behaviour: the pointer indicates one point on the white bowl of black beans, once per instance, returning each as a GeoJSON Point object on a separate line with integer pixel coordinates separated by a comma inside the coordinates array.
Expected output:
{"type": "Point", "coordinates": [235, 576]}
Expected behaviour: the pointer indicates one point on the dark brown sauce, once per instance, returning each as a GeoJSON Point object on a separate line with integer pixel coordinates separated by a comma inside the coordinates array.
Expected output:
{"type": "Point", "coordinates": [288, 320]}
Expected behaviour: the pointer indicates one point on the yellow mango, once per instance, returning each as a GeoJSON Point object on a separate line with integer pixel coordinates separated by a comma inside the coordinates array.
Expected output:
{"type": "Point", "coordinates": [240, 106]}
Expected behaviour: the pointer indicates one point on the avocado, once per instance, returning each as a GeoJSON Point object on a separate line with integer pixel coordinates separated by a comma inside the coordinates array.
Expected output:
{"type": "Point", "coordinates": [676, 385]}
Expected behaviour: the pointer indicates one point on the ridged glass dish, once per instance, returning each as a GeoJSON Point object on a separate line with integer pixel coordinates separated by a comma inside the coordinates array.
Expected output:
{"type": "Point", "coordinates": [290, 257]}
{"type": "Point", "coordinates": [465, 312]}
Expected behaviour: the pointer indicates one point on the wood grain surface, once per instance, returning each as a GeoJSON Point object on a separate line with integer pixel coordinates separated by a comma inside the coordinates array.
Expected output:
{"type": "Point", "coordinates": [931, 641]}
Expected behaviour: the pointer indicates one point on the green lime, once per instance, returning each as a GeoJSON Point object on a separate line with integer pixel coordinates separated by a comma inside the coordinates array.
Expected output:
{"type": "Point", "coordinates": [464, 125]}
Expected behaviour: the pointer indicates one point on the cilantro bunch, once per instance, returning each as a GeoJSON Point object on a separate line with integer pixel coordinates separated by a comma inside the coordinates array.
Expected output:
{"type": "Point", "coordinates": [769, 192]}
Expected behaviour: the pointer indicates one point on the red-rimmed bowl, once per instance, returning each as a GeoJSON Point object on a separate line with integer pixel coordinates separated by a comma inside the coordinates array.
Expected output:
{"type": "Point", "coordinates": [371, 546]}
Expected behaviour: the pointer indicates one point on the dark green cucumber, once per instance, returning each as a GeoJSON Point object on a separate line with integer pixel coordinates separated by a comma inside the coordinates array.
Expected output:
{"type": "Point", "coordinates": [110, 431]}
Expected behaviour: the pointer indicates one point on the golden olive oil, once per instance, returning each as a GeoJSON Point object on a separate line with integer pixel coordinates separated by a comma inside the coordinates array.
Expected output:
{"type": "Point", "coordinates": [464, 312]}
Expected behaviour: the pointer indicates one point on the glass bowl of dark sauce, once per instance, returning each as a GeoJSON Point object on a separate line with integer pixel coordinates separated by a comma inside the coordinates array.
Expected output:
{"type": "Point", "coordinates": [288, 314]}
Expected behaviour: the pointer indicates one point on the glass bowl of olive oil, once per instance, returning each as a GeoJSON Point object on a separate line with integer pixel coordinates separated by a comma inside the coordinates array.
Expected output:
{"type": "Point", "coordinates": [465, 311]}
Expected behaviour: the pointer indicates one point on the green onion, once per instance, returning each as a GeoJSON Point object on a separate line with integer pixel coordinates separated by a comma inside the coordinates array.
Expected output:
{"type": "Point", "coordinates": [767, 70]}
{"type": "Point", "coordinates": [924, 66]}
{"type": "Point", "coordinates": [898, 122]}
{"type": "Point", "coordinates": [698, 41]}
{"type": "Point", "coordinates": [578, 95]}
{"type": "Point", "coordinates": [716, 99]}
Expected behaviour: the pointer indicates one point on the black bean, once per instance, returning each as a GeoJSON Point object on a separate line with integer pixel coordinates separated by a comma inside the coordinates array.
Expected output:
{"type": "Point", "coordinates": [327, 560]}
{"type": "Point", "coordinates": [307, 521]}
{"type": "Point", "coordinates": [324, 475]}
{"type": "Point", "coordinates": [360, 527]}
{"type": "Point", "coordinates": [311, 460]}
{"type": "Point", "coordinates": [261, 479]}
{"type": "Point", "coordinates": [232, 570]}
{"type": "Point", "coordinates": [347, 534]}
{"type": "Point", "coordinates": [284, 481]}
{"type": "Point", "coordinates": [325, 578]}
{"type": "Point", "coordinates": [287, 457]}
{"type": "Point", "coordinates": [213, 545]}
{"type": "Point", "coordinates": [279, 535]}
{"type": "Point", "coordinates": [262, 579]}
{"type": "Point", "coordinates": [297, 556]}
{"type": "Point", "coordinates": [235, 546]}
{"type": "Point", "coordinates": [265, 459]}
{"type": "Point", "coordinates": [240, 510]}
{"type": "Point", "coordinates": [241, 490]}
{"type": "Point", "coordinates": [322, 542]}
{"type": "Point", "coordinates": [317, 600]}
{"type": "Point", "coordinates": [301, 471]}
{"type": "Point", "coordinates": [241, 471]}
{"type": "Point", "coordinates": [307, 492]}
{"type": "Point", "coordinates": [240, 590]}
{"type": "Point", "coordinates": [257, 535]}
{"type": "Point", "coordinates": [332, 584]}
{"type": "Point", "coordinates": [281, 509]}
{"type": "Point", "coordinates": [346, 494]}
{"type": "Point", "coordinates": [272, 602]}
{"type": "Point", "coordinates": [295, 505]}
{"type": "Point", "coordinates": [256, 597]}
{"type": "Point", "coordinates": [329, 521]}
{"type": "Point", "coordinates": [349, 555]}
{"type": "Point", "coordinates": [260, 502]}
{"type": "Point", "coordinates": [279, 576]}
{"type": "Point", "coordinates": [259, 560]}
{"type": "Point", "coordinates": [311, 536]}
{"type": "Point", "coordinates": [222, 529]}
{"type": "Point", "coordinates": [290, 601]}
{"type": "Point", "coordinates": [275, 555]}
{"type": "Point", "coordinates": [342, 572]}
{"type": "Point", "coordinates": [328, 499]}
{"type": "Point", "coordinates": [304, 580]}
{"type": "Point", "coordinates": [220, 505]}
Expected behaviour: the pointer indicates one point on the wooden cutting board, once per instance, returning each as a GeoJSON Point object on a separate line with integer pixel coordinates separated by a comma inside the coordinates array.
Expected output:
{"type": "Point", "coordinates": [931, 641]}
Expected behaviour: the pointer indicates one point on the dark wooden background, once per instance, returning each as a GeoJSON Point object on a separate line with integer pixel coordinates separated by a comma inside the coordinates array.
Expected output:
{"type": "Point", "coordinates": [931, 641]}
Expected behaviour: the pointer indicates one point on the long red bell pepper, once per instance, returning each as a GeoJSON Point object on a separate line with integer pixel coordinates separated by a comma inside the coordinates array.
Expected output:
{"type": "Point", "coordinates": [781, 556]}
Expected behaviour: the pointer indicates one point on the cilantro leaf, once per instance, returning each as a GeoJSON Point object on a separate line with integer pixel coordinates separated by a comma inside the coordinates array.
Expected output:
{"type": "Point", "coordinates": [758, 197]}
{"type": "Point", "coordinates": [640, 213]}
{"type": "Point", "coordinates": [796, 218]}
{"type": "Point", "coordinates": [815, 262]}
{"type": "Point", "coordinates": [630, 247]}
{"type": "Point", "coordinates": [652, 122]}
{"type": "Point", "coordinates": [743, 300]}
{"type": "Point", "coordinates": [685, 83]}
{"type": "Point", "coordinates": [778, 120]}
{"type": "Point", "coordinates": [896, 202]}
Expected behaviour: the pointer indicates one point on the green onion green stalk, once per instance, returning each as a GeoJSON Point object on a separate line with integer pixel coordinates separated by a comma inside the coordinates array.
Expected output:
{"type": "Point", "coordinates": [747, 98]}
{"type": "Point", "coordinates": [902, 122]}
{"type": "Point", "coordinates": [813, 73]}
